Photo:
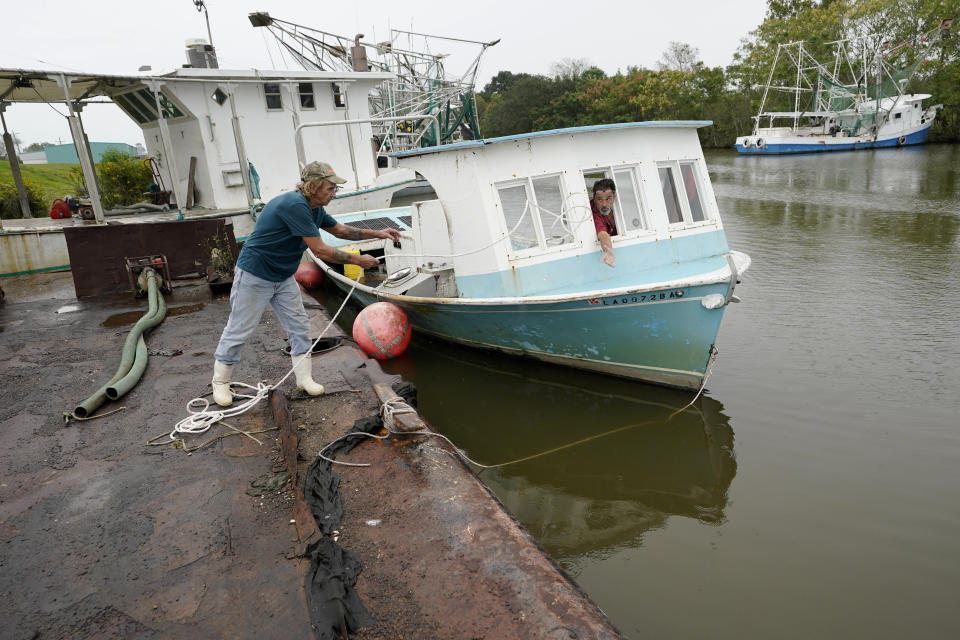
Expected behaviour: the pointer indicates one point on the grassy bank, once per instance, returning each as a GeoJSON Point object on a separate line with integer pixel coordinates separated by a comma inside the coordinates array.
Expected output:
{"type": "Point", "coordinates": [52, 180]}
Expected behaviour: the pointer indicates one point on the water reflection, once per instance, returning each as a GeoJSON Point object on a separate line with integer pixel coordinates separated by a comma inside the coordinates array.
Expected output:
{"type": "Point", "coordinates": [598, 496]}
{"type": "Point", "coordinates": [903, 195]}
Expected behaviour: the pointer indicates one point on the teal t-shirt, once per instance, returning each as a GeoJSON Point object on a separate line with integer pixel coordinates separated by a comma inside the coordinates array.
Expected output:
{"type": "Point", "coordinates": [273, 250]}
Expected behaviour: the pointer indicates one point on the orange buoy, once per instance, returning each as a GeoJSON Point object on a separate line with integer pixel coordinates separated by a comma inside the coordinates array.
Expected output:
{"type": "Point", "coordinates": [382, 330]}
{"type": "Point", "coordinates": [309, 275]}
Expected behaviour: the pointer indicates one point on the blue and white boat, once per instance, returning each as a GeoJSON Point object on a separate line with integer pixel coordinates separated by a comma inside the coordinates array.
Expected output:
{"type": "Point", "coordinates": [835, 109]}
{"type": "Point", "coordinates": [506, 257]}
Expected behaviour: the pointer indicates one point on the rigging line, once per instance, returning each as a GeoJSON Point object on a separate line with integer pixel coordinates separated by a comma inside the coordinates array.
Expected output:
{"type": "Point", "coordinates": [47, 103]}
{"type": "Point", "coordinates": [266, 46]}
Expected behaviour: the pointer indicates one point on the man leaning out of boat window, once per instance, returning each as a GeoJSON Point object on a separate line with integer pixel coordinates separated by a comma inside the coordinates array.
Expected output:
{"type": "Point", "coordinates": [604, 195]}
{"type": "Point", "coordinates": [265, 270]}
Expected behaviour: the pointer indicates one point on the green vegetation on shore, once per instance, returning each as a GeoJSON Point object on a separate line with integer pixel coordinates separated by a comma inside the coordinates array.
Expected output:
{"type": "Point", "coordinates": [123, 180]}
{"type": "Point", "coordinates": [45, 183]}
{"type": "Point", "coordinates": [53, 180]}
{"type": "Point", "coordinates": [683, 88]}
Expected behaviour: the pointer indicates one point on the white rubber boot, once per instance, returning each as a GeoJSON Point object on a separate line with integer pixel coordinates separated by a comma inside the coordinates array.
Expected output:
{"type": "Point", "coordinates": [221, 383]}
{"type": "Point", "coordinates": [303, 369]}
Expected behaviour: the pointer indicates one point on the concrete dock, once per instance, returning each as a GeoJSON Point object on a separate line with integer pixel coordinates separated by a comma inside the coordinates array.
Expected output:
{"type": "Point", "coordinates": [103, 535]}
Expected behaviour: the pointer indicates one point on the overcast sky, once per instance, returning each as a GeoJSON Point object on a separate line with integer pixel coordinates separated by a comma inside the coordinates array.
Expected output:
{"type": "Point", "coordinates": [118, 36]}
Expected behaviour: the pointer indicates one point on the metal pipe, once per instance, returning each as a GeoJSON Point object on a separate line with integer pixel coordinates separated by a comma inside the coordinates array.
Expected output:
{"type": "Point", "coordinates": [241, 148]}
{"type": "Point", "coordinates": [298, 140]}
{"type": "Point", "coordinates": [167, 145]}
{"type": "Point", "coordinates": [87, 167]}
{"type": "Point", "coordinates": [15, 168]}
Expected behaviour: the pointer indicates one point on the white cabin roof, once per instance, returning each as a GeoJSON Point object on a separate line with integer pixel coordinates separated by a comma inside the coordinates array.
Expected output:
{"type": "Point", "coordinates": [659, 124]}
{"type": "Point", "coordinates": [39, 85]}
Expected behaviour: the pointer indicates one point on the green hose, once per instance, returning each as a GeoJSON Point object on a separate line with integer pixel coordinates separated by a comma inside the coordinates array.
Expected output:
{"type": "Point", "coordinates": [129, 381]}
{"type": "Point", "coordinates": [130, 347]}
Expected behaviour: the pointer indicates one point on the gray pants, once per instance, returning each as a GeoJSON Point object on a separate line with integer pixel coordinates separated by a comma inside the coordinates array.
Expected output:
{"type": "Point", "coordinates": [248, 298]}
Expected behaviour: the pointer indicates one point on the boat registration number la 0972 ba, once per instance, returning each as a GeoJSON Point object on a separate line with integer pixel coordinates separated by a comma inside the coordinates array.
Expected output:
{"type": "Point", "coordinates": [656, 296]}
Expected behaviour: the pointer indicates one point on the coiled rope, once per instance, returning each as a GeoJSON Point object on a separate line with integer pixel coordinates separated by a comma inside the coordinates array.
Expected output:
{"type": "Point", "coordinates": [202, 416]}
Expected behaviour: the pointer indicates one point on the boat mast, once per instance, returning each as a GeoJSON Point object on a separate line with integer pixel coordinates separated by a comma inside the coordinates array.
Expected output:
{"type": "Point", "coordinates": [796, 97]}
{"type": "Point", "coordinates": [766, 91]}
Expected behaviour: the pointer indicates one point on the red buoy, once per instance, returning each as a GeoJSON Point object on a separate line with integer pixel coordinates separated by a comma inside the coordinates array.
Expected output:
{"type": "Point", "coordinates": [382, 330]}
{"type": "Point", "coordinates": [309, 275]}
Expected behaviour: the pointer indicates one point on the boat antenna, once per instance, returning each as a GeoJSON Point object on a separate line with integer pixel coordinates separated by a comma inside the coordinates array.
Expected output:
{"type": "Point", "coordinates": [199, 4]}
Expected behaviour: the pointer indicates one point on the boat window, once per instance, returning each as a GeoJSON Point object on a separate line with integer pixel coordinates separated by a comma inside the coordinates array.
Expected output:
{"type": "Point", "coordinates": [549, 208]}
{"type": "Point", "coordinates": [131, 108]}
{"type": "Point", "coordinates": [898, 115]}
{"type": "Point", "coordinates": [519, 219]}
{"type": "Point", "coordinates": [628, 199]}
{"type": "Point", "coordinates": [169, 109]}
{"type": "Point", "coordinates": [682, 192]}
{"type": "Point", "coordinates": [306, 96]}
{"type": "Point", "coordinates": [141, 105]}
{"type": "Point", "coordinates": [271, 91]}
{"type": "Point", "coordinates": [692, 189]}
{"type": "Point", "coordinates": [339, 97]}
{"type": "Point", "coordinates": [535, 212]}
{"type": "Point", "coordinates": [219, 97]}
{"type": "Point", "coordinates": [674, 215]}
{"type": "Point", "coordinates": [628, 210]}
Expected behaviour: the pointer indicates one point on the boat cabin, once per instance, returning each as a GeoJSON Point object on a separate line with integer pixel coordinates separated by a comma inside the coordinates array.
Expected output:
{"type": "Point", "coordinates": [222, 139]}
{"type": "Point", "coordinates": [512, 215]}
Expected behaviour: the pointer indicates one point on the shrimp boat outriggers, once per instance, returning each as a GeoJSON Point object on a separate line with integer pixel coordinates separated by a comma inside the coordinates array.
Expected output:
{"type": "Point", "coordinates": [844, 107]}
{"type": "Point", "coordinates": [507, 258]}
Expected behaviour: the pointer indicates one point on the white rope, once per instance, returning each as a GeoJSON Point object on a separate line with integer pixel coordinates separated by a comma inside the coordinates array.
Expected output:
{"type": "Point", "coordinates": [389, 409]}
{"type": "Point", "coordinates": [714, 352]}
{"type": "Point", "coordinates": [558, 217]}
{"type": "Point", "coordinates": [202, 418]}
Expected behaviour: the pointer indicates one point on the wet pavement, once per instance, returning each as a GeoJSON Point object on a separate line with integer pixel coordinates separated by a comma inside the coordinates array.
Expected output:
{"type": "Point", "coordinates": [105, 536]}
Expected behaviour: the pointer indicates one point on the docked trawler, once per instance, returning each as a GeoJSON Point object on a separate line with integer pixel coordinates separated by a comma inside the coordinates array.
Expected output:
{"type": "Point", "coordinates": [833, 108]}
{"type": "Point", "coordinates": [220, 142]}
{"type": "Point", "coordinates": [507, 258]}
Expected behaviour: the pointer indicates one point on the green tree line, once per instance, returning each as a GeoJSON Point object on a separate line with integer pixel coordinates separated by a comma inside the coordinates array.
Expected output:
{"type": "Point", "coordinates": [682, 87]}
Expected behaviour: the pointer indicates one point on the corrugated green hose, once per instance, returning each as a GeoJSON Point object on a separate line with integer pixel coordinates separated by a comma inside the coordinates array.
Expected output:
{"type": "Point", "coordinates": [156, 311]}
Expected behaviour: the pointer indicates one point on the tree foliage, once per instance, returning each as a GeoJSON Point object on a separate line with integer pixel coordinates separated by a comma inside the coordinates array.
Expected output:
{"type": "Point", "coordinates": [683, 88]}
{"type": "Point", "coordinates": [10, 201]}
{"type": "Point", "coordinates": [123, 179]}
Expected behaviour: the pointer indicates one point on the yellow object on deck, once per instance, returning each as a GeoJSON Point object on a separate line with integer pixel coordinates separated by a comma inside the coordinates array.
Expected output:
{"type": "Point", "coordinates": [352, 271]}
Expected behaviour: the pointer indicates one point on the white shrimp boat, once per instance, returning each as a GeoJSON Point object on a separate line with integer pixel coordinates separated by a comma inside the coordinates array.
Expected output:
{"type": "Point", "coordinates": [835, 108]}
{"type": "Point", "coordinates": [507, 258]}
{"type": "Point", "coordinates": [221, 143]}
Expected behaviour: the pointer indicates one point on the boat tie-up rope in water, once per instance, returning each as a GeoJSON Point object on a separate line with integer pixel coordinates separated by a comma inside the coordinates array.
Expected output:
{"type": "Point", "coordinates": [397, 405]}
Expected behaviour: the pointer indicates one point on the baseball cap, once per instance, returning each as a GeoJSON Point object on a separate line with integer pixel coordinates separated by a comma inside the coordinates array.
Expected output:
{"type": "Point", "coordinates": [316, 170]}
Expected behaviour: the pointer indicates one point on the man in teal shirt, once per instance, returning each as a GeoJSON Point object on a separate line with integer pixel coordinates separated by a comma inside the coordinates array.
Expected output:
{"type": "Point", "coordinates": [287, 226]}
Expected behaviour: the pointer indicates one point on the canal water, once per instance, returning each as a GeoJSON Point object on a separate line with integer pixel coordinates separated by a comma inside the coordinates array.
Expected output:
{"type": "Point", "coordinates": [814, 489]}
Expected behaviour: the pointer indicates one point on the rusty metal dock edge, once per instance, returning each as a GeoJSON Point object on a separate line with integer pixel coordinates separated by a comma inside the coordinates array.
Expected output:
{"type": "Point", "coordinates": [465, 566]}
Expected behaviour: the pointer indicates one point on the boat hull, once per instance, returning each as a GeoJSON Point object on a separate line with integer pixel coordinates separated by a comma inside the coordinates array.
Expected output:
{"type": "Point", "coordinates": [662, 336]}
{"type": "Point", "coordinates": [821, 144]}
